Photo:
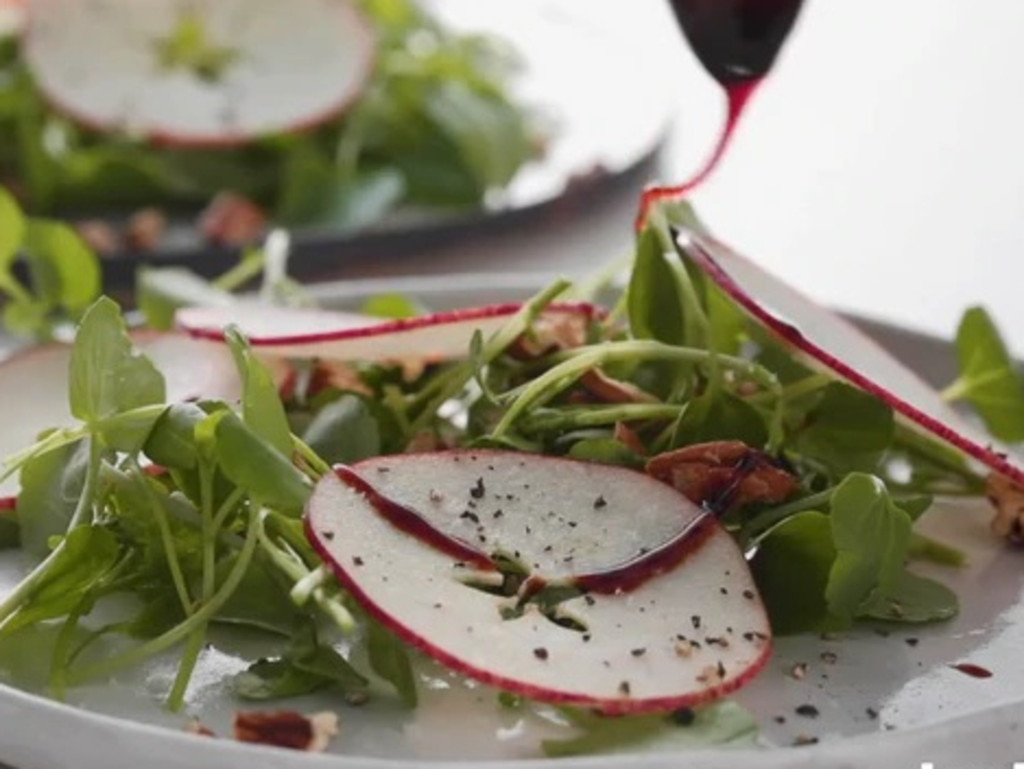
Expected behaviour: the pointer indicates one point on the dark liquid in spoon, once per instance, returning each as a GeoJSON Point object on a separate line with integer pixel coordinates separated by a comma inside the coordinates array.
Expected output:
{"type": "Point", "coordinates": [737, 42]}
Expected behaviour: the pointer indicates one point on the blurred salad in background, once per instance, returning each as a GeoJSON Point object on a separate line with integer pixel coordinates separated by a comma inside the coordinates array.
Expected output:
{"type": "Point", "coordinates": [434, 124]}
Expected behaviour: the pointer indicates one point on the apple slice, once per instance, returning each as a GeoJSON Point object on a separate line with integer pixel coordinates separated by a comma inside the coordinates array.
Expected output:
{"type": "Point", "coordinates": [829, 341]}
{"type": "Point", "coordinates": [35, 383]}
{"type": "Point", "coordinates": [657, 610]}
{"type": "Point", "coordinates": [199, 73]}
{"type": "Point", "coordinates": [339, 336]}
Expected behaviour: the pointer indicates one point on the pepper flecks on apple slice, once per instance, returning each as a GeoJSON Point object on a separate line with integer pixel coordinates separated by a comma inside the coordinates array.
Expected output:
{"type": "Point", "coordinates": [201, 74]}
{"type": "Point", "coordinates": [619, 594]}
{"type": "Point", "coordinates": [340, 336]}
{"type": "Point", "coordinates": [826, 339]}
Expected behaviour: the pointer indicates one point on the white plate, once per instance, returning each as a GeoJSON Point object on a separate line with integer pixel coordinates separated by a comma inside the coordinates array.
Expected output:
{"type": "Point", "coordinates": [927, 710]}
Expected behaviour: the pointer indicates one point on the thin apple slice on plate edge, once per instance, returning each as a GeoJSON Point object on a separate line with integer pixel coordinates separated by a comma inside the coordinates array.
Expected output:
{"type": "Point", "coordinates": [828, 341]}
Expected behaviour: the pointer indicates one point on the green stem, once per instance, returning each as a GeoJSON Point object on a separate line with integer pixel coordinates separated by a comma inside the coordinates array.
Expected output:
{"type": "Point", "coordinates": [576, 362]}
{"type": "Point", "coordinates": [209, 533]}
{"type": "Point", "coordinates": [769, 519]}
{"type": "Point", "coordinates": [799, 389]}
{"type": "Point", "coordinates": [313, 460]}
{"type": "Point", "coordinates": [83, 509]}
{"type": "Point", "coordinates": [166, 538]}
{"type": "Point", "coordinates": [927, 549]}
{"type": "Point", "coordinates": [226, 507]}
{"type": "Point", "coordinates": [187, 666]}
{"type": "Point", "coordinates": [181, 631]}
{"type": "Point", "coordinates": [957, 390]}
{"type": "Point", "coordinates": [572, 418]}
{"type": "Point", "coordinates": [248, 268]}
{"type": "Point", "coordinates": [62, 652]}
{"type": "Point", "coordinates": [516, 326]}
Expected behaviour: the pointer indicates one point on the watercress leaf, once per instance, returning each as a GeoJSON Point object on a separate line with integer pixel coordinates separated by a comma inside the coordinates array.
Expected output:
{"type": "Point", "coordinates": [315, 192]}
{"type": "Point", "coordinates": [253, 464]}
{"type": "Point", "coordinates": [65, 272]}
{"type": "Point", "coordinates": [261, 601]}
{"type": "Point", "coordinates": [25, 317]}
{"type": "Point", "coordinates": [718, 415]}
{"type": "Point", "coordinates": [791, 568]}
{"type": "Point", "coordinates": [275, 679]}
{"type": "Point", "coordinates": [722, 723]}
{"type": "Point", "coordinates": [90, 554]}
{"type": "Point", "coordinates": [606, 450]}
{"type": "Point", "coordinates": [325, 662]}
{"type": "Point", "coordinates": [913, 598]}
{"type": "Point", "coordinates": [127, 431]}
{"type": "Point", "coordinates": [389, 659]}
{"type": "Point", "coordinates": [656, 310]}
{"type": "Point", "coordinates": [107, 375]}
{"type": "Point", "coordinates": [344, 431]}
{"type": "Point", "coordinates": [848, 430]}
{"type": "Point", "coordinates": [394, 306]}
{"type": "Point", "coordinates": [171, 443]}
{"type": "Point", "coordinates": [871, 536]}
{"type": "Point", "coordinates": [51, 484]}
{"type": "Point", "coordinates": [10, 530]}
{"type": "Point", "coordinates": [261, 404]}
{"type": "Point", "coordinates": [989, 379]}
{"type": "Point", "coordinates": [12, 229]}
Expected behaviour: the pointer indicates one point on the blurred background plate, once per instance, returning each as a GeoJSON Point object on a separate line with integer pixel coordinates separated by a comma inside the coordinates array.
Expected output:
{"type": "Point", "coordinates": [593, 81]}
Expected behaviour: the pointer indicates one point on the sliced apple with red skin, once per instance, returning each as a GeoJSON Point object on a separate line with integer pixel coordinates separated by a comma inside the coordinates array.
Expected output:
{"type": "Point", "coordinates": [36, 385]}
{"type": "Point", "coordinates": [340, 336]}
{"type": "Point", "coordinates": [662, 613]}
{"type": "Point", "coordinates": [199, 73]}
{"type": "Point", "coordinates": [828, 341]}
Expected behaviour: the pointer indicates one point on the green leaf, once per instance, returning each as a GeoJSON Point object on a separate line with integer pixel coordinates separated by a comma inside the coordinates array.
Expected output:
{"type": "Point", "coordinates": [389, 659]}
{"type": "Point", "coordinates": [719, 724]}
{"type": "Point", "coordinates": [394, 306]}
{"type": "Point", "coordinates": [344, 431]}
{"type": "Point", "coordinates": [171, 443]}
{"type": "Point", "coordinates": [871, 537]}
{"type": "Point", "coordinates": [262, 409]}
{"type": "Point", "coordinates": [989, 379]}
{"type": "Point", "coordinates": [606, 450]}
{"type": "Point", "coordinates": [912, 598]}
{"type": "Point", "coordinates": [252, 463]}
{"type": "Point", "coordinates": [90, 554]}
{"type": "Point", "coordinates": [12, 230]}
{"type": "Point", "coordinates": [656, 310]}
{"type": "Point", "coordinates": [274, 680]}
{"type": "Point", "coordinates": [108, 376]}
{"type": "Point", "coordinates": [51, 484]}
{"type": "Point", "coordinates": [65, 272]}
{"type": "Point", "coordinates": [791, 567]}
{"type": "Point", "coordinates": [848, 430]}
{"type": "Point", "coordinates": [718, 415]}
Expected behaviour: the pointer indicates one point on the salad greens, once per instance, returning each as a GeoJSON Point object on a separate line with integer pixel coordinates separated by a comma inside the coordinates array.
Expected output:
{"type": "Point", "coordinates": [215, 536]}
{"type": "Point", "coordinates": [437, 126]}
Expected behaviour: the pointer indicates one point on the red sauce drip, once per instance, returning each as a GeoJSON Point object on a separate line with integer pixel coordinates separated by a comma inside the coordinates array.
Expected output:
{"type": "Point", "coordinates": [737, 42]}
{"type": "Point", "coordinates": [664, 558]}
{"type": "Point", "coordinates": [972, 670]}
{"type": "Point", "coordinates": [412, 523]}
{"type": "Point", "coordinates": [737, 95]}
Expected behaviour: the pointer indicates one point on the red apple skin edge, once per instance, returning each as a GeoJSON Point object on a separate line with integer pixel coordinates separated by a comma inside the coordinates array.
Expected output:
{"type": "Point", "coordinates": [383, 327]}
{"type": "Point", "coordinates": [608, 707]}
{"type": "Point", "coordinates": [984, 454]}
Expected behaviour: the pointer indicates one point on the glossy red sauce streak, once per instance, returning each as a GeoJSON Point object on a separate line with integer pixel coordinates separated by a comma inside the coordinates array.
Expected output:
{"type": "Point", "coordinates": [412, 523]}
{"type": "Point", "coordinates": [972, 670]}
{"type": "Point", "coordinates": [645, 566]}
{"type": "Point", "coordinates": [738, 95]}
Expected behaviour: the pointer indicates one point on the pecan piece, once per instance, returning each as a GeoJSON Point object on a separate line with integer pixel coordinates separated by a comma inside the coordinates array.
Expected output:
{"type": "Point", "coordinates": [145, 230]}
{"type": "Point", "coordinates": [286, 729]}
{"type": "Point", "coordinates": [1007, 498]}
{"type": "Point", "coordinates": [606, 389]}
{"type": "Point", "coordinates": [102, 237]}
{"type": "Point", "coordinates": [723, 475]}
{"type": "Point", "coordinates": [232, 220]}
{"type": "Point", "coordinates": [550, 332]}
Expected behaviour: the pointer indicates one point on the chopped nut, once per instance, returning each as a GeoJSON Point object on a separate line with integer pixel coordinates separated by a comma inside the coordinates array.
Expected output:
{"type": "Point", "coordinates": [1008, 499]}
{"type": "Point", "coordinates": [727, 474]}
{"type": "Point", "coordinates": [605, 389]}
{"type": "Point", "coordinates": [550, 332]}
{"type": "Point", "coordinates": [232, 220]}
{"type": "Point", "coordinates": [287, 729]}
{"type": "Point", "coordinates": [195, 726]}
{"type": "Point", "coordinates": [625, 434]}
{"type": "Point", "coordinates": [799, 671]}
{"type": "Point", "coordinates": [145, 230]}
{"type": "Point", "coordinates": [100, 236]}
